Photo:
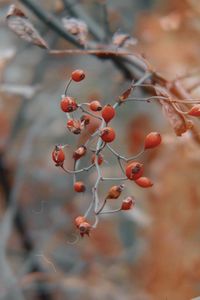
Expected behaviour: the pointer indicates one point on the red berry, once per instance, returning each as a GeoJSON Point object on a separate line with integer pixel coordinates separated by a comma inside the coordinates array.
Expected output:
{"type": "Point", "coordinates": [134, 170]}
{"type": "Point", "coordinates": [108, 113]}
{"type": "Point", "coordinates": [127, 203]}
{"type": "Point", "coordinates": [107, 134]}
{"type": "Point", "coordinates": [58, 155]}
{"type": "Point", "coordinates": [144, 182]}
{"type": "Point", "coordinates": [152, 140]}
{"type": "Point", "coordinates": [81, 151]}
{"type": "Point", "coordinates": [79, 220]}
{"type": "Point", "coordinates": [95, 106]}
{"type": "Point", "coordinates": [70, 123]}
{"type": "Point", "coordinates": [195, 111]}
{"type": "Point", "coordinates": [99, 160]}
{"type": "Point", "coordinates": [68, 104]}
{"type": "Point", "coordinates": [79, 187]}
{"type": "Point", "coordinates": [84, 228]}
{"type": "Point", "coordinates": [78, 75]}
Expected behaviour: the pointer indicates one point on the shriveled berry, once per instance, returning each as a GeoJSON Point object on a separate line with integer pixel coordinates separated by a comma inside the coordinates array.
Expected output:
{"type": "Point", "coordinates": [68, 104]}
{"type": "Point", "coordinates": [95, 105]}
{"type": "Point", "coordinates": [78, 75]}
{"type": "Point", "coordinates": [74, 126]}
{"type": "Point", "coordinates": [79, 220]}
{"type": "Point", "coordinates": [84, 228]}
{"type": "Point", "coordinates": [152, 140]}
{"type": "Point", "coordinates": [99, 159]}
{"type": "Point", "coordinates": [85, 119]}
{"type": "Point", "coordinates": [81, 151]}
{"type": "Point", "coordinates": [195, 111]}
{"type": "Point", "coordinates": [134, 170]}
{"type": "Point", "coordinates": [79, 187]}
{"type": "Point", "coordinates": [127, 203]}
{"type": "Point", "coordinates": [144, 182]}
{"type": "Point", "coordinates": [108, 113]}
{"type": "Point", "coordinates": [115, 191]}
{"type": "Point", "coordinates": [58, 155]}
{"type": "Point", "coordinates": [107, 134]}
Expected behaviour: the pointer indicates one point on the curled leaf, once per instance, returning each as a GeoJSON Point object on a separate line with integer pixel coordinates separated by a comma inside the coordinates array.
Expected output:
{"type": "Point", "coordinates": [178, 121]}
{"type": "Point", "coordinates": [123, 40]}
{"type": "Point", "coordinates": [77, 28]}
{"type": "Point", "coordinates": [19, 23]}
{"type": "Point", "coordinates": [126, 93]}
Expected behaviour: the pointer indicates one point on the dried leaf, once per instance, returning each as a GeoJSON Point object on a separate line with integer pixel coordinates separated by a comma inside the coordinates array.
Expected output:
{"type": "Point", "coordinates": [76, 27]}
{"type": "Point", "coordinates": [123, 40]}
{"type": "Point", "coordinates": [178, 121]}
{"type": "Point", "coordinates": [19, 23]}
{"type": "Point", "coordinates": [126, 93]}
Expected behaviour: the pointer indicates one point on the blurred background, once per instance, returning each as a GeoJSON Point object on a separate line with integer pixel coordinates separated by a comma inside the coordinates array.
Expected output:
{"type": "Point", "coordinates": [149, 253]}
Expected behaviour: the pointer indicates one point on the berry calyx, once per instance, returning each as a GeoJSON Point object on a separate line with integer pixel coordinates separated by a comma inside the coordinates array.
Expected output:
{"type": "Point", "coordinates": [127, 203]}
{"type": "Point", "coordinates": [95, 105]}
{"type": "Point", "coordinates": [79, 220]}
{"type": "Point", "coordinates": [107, 134]}
{"type": "Point", "coordinates": [68, 104]}
{"type": "Point", "coordinates": [78, 75]}
{"type": "Point", "coordinates": [195, 111]}
{"type": "Point", "coordinates": [144, 182]}
{"type": "Point", "coordinates": [84, 228]}
{"type": "Point", "coordinates": [85, 119]}
{"type": "Point", "coordinates": [108, 113]}
{"type": "Point", "coordinates": [79, 187]}
{"type": "Point", "coordinates": [58, 155]}
{"type": "Point", "coordinates": [152, 140]}
{"type": "Point", "coordinates": [134, 170]}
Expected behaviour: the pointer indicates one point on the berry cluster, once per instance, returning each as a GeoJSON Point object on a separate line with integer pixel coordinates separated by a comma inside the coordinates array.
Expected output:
{"type": "Point", "coordinates": [101, 138]}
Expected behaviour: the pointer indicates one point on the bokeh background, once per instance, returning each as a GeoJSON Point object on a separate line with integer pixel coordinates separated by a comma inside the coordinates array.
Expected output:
{"type": "Point", "coordinates": [150, 253]}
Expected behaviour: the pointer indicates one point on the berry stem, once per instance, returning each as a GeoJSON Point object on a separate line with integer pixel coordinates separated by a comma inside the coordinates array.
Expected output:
{"type": "Point", "coordinates": [110, 211]}
{"type": "Point", "coordinates": [89, 113]}
{"type": "Point", "coordinates": [67, 86]}
{"type": "Point", "coordinates": [78, 171]}
{"type": "Point", "coordinates": [114, 178]}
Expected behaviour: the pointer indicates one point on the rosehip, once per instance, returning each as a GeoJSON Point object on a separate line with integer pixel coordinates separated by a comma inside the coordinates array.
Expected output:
{"type": "Point", "coordinates": [78, 75]}
{"type": "Point", "coordinates": [107, 134]}
{"type": "Point", "coordinates": [58, 155]}
{"type": "Point", "coordinates": [95, 105]}
{"type": "Point", "coordinates": [108, 113]}
{"type": "Point", "coordinates": [144, 182]}
{"type": "Point", "coordinates": [68, 104]}
{"type": "Point", "coordinates": [84, 228]}
{"type": "Point", "coordinates": [127, 203]}
{"type": "Point", "coordinates": [79, 187]}
{"type": "Point", "coordinates": [134, 170]}
{"type": "Point", "coordinates": [81, 151]}
{"type": "Point", "coordinates": [99, 159]}
{"type": "Point", "coordinates": [79, 220]}
{"type": "Point", "coordinates": [152, 140]}
{"type": "Point", "coordinates": [115, 191]}
{"type": "Point", "coordinates": [195, 111]}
